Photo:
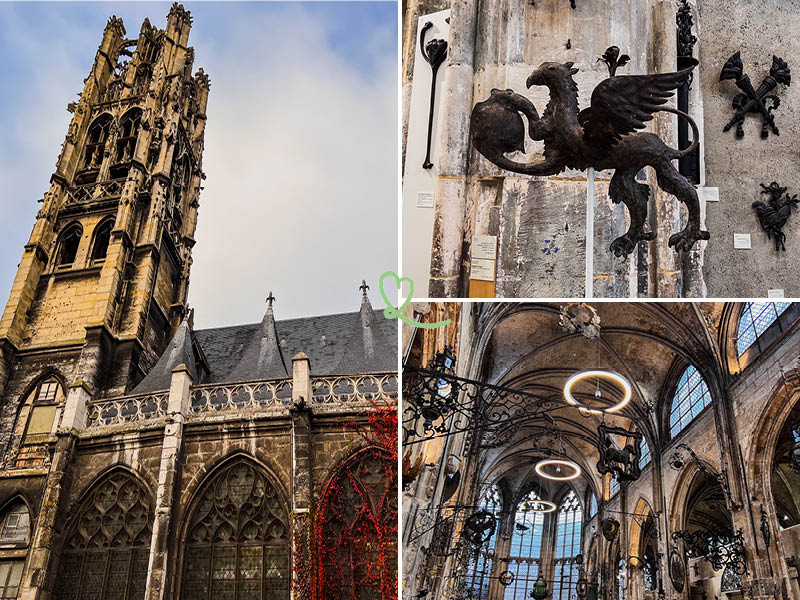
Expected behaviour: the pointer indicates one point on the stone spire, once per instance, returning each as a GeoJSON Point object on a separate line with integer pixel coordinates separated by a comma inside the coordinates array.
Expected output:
{"type": "Point", "coordinates": [263, 358]}
{"type": "Point", "coordinates": [367, 340]}
{"type": "Point", "coordinates": [179, 352]}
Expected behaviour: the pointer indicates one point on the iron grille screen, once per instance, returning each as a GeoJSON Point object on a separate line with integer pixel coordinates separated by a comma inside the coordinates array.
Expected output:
{"type": "Point", "coordinates": [108, 545]}
{"type": "Point", "coordinates": [237, 547]}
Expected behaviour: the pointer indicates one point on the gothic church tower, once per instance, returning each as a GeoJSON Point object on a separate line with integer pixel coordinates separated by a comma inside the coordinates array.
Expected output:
{"type": "Point", "coordinates": [103, 280]}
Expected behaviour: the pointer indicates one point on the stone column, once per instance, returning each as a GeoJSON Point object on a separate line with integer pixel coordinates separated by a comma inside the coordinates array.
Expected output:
{"type": "Point", "coordinates": [39, 577]}
{"type": "Point", "coordinates": [446, 278]}
{"type": "Point", "coordinates": [168, 475]}
{"type": "Point", "coordinates": [666, 267]}
{"type": "Point", "coordinates": [302, 554]}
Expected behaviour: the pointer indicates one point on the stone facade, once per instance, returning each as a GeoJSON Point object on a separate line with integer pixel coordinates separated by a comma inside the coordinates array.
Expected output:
{"type": "Point", "coordinates": [540, 222]}
{"type": "Point", "coordinates": [725, 470]}
{"type": "Point", "coordinates": [128, 436]}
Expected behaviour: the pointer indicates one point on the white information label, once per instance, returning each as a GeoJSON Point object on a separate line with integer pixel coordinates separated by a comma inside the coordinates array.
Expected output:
{"type": "Point", "coordinates": [424, 199]}
{"type": "Point", "coordinates": [484, 246]}
{"type": "Point", "coordinates": [775, 293]}
{"type": "Point", "coordinates": [710, 194]}
{"type": "Point", "coordinates": [741, 241]}
{"type": "Point", "coordinates": [482, 269]}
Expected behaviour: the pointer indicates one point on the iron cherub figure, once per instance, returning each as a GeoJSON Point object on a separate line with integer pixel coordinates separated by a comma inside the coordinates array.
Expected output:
{"type": "Point", "coordinates": [601, 136]}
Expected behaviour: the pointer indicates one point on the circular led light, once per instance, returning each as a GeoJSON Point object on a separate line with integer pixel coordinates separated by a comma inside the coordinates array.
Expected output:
{"type": "Point", "coordinates": [559, 463]}
{"type": "Point", "coordinates": [610, 375]}
{"type": "Point", "coordinates": [539, 506]}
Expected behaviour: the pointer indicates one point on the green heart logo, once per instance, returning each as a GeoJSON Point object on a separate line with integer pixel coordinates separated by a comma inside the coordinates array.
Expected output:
{"type": "Point", "coordinates": [393, 312]}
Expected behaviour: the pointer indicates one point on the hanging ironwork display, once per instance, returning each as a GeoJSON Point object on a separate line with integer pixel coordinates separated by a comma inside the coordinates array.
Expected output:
{"type": "Point", "coordinates": [434, 52]}
{"type": "Point", "coordinates": [579, 317]}
{"type": "Point", "coordinates": [774, 213]}
{"type": "Point", "coordinates": [721, 549]}
{"type": "Point", "coordinates": [601, 136]}
{"type": "Point", "coordinates": [506, 578]}
{"type": "Point", "coordinates": [622, 464]}
{"type": "Point", "coordinates": [677, 570]}
{"type": "Point", "coordinates": [479, 527]}
{"type": "Point", "coordinates": [613, 60]}
{"type": "Point", "coordinates": [610, 528]}
{"type": "Point", "coordinates": [750, 100]}
{"type": "Point", "coordinates": [437, 403]}
{"type": "Point", "coordinates": [677, 462]}
{"type": "Point", "coordinates": [108, 543]}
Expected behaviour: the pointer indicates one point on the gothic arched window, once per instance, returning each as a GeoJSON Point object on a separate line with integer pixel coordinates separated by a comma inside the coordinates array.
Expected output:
{"type": "Point", "coordinates": [107, 544]}
{"type": "Point", "coordinates": [592, 505]}
{"type": "Point", "coordinates": [567, 547]}
{"type": "Point", "coordinates": [755, 320]}
{"type": "Point", "coordinates": [96, 141]}
{"type": "Point", "coordinates": [237, 544]}
{"type": "Point", "coordinates": [691, 397]}
{"type": "Point", "coordinates": [15, 528]}
{"type": "Point", "coordinates": [68, 245]}
{"type": "Point", "coordinates": [479, 571]}
{"type": "Point", "coordinates": [357, 540]}
{"type": "Point", "coordinates": [128, 133]}
{"type": "Point", "coordinates": [526, 547]}
{"type": "Point", "coordinates": [102, 237]}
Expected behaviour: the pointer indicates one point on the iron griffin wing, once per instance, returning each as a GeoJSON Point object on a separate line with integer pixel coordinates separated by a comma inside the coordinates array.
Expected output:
{"type": "Point", "coordinates": [622, 104]}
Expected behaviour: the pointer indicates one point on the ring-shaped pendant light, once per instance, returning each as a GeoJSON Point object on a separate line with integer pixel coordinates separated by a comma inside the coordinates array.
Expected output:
{"type": "Point", "coordinates": [559, 462]}
{"type": "Point", "coordinates": [543, 506]}
{"type": "Point", "coordinates": [611, 376]}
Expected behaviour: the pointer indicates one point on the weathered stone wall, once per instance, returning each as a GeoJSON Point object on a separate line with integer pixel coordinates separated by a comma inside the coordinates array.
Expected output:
{"type": "Point", "coordinates": [759, 28]}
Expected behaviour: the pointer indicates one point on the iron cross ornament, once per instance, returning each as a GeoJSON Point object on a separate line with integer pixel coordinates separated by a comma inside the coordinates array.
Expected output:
{"type": "Point", "coordinates": [750, 100]}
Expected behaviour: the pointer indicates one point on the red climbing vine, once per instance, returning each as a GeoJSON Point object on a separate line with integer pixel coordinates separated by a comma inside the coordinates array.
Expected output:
{"type": "Point", "coordinates": [355, 533]}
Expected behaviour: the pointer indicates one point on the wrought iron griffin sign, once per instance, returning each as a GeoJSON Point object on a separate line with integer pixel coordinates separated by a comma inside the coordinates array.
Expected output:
{"type": "Point", "coordinates": [601, 136]}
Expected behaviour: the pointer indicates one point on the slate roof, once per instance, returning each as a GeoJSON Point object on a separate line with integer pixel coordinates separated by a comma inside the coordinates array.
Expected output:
{"type": "Point", "coordinates": [179, 352]}
{"type": "Point", "coordinates": [340, 344]}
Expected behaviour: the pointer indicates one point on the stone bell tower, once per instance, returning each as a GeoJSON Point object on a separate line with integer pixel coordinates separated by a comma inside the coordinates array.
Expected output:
{"type": "Point", "coordinates": [103, 280]}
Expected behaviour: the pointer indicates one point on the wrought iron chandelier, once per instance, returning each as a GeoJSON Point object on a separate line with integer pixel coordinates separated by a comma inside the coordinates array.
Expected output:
{"type": "Point", "coordinates": [599, 374]}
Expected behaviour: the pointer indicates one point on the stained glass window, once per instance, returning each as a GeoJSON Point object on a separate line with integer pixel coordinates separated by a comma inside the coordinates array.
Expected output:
{"type": "Point", "coordinates": [357, 548]}
{"type": "Point", "coordinates": [691, 397]}
{"type": "Point", "coordinates": [756, 318]}
{"type": "Point", "coordinates": [108, 543]}
{"type": "Point", "coordinates": [567, 547]}
{"type": "Point", "coordinates": [613, 487]}
{"type": "Point", "coordinates": [480, 569]}
{"type": "Point", "coordinates": [526, 547]}
{"type": "Point", "coordinates": [645, 459]}
{"type": "Point", "coordinates": [237, 546]}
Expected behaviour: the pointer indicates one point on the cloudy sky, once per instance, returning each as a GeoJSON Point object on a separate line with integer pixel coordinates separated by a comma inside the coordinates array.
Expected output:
{"type": "Point", "coordinates": [301, 143]}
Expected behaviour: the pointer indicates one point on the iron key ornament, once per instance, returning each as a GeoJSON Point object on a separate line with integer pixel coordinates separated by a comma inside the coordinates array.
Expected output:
{"type": "Point", "coordinates": [434, 52]}
{"type": "Point", "coordinates": [601, 136]}
{"type": "Point", "coordinates": [774, 213]}
{"type": "Point", "coordinates": [755, 101]}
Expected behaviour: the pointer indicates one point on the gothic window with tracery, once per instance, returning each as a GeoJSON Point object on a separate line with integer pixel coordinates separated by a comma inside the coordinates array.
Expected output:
{"type": "Point", "coordinates": [107, 545]}
{"type": "Point", "coordinates": [691, 397]}
{"type": "Point", "coordinates": [15, 528]}
{"type": "Point", "coordinates": [645, 458]}
{"type": "Point", "coordinates": [567, 547]}
{"type": "Point", "coordinates": [755, 320]}
{"type": "Point", "coordinates": [357, 531]}
{"type": "Point", "coordinates": [480, 568]}
{"type": "Point", "coordinates": [128, 134]}
{"type": "Point", "coordinates": [237, 544]}
{"type": "Point", "coordinates": [526, 547]}
{"type": "Point", "coordinates": [96, 141]}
